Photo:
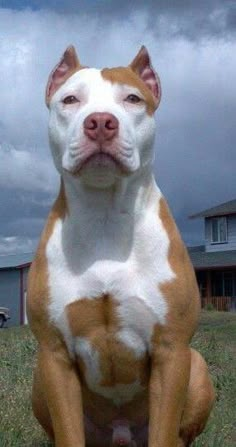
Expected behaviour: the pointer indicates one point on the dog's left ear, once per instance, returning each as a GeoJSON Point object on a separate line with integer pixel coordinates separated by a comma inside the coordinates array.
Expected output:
{"type": "Point", "coordinates": [68, 65]}
{"type": "Point", "coordinates": [142, 66]}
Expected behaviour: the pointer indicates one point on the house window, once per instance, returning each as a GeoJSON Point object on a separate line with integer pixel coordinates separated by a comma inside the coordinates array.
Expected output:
{"type": "Point", "coordinates": [219, 230]}
{"type": "Point", "coordinates": [223, 283]}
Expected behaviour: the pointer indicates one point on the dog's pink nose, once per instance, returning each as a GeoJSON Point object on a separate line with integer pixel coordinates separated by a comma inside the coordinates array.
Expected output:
{"type": "Point", "coordinates": [101, 126]}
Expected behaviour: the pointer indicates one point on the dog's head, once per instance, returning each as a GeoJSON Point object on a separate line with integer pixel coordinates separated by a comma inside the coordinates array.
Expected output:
{"type": "Point", "coordinates": [101, 121]}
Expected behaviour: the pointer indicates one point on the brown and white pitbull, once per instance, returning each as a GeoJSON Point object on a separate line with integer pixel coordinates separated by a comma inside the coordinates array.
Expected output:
{"type": "Point", "coordinates": [112, 295]}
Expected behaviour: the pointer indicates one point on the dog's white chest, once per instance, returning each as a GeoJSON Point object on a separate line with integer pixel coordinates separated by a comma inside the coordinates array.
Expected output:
{"type": "Point", "coordinates": [133, 279]}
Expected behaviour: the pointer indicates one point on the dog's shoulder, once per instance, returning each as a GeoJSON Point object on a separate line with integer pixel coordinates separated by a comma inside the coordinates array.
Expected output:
{"type": "Point", "coordinates": [182, 293]}
{"type": "Point", "coordinates": [37, 282]}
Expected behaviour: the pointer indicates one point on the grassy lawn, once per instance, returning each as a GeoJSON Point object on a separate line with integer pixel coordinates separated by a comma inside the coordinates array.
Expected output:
{"type": "Point", "coordinates": [215, 339]}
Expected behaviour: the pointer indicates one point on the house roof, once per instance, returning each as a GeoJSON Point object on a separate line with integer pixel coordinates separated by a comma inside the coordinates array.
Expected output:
{"type": "Point", "coordinates": [205, 260]}
{"type": "Point", "coordinates": [15, 260]}
{"type": "Point", "coordinates": [220, 210]}
{"type": "Point", "coordinates": [199, 257]}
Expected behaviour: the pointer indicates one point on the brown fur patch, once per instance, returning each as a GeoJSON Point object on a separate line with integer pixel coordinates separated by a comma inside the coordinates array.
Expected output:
{"type": "Point", "coordinates": [181, 294]}
{"type": "Point", "coordinates": [37, 290]}
{"type": "Point", "coordinates": [171, 356]}
{"type": "Point", "coordinates": [125, 75]}
{"type": "Point", "coordinates": [96, 320]}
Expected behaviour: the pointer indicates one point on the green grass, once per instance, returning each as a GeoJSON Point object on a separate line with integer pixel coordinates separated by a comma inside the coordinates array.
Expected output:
{"type": "Point", "coordinates": [18, 427]}
{"type": "Point", "coordinates": [215, 339]}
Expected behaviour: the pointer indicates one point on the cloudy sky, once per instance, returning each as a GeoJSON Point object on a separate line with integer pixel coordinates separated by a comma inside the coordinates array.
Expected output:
{"type": "Point", "coordinates": [193, 48]}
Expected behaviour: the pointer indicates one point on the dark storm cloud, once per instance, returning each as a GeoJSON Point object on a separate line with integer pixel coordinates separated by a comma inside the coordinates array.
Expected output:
{"type": "Point", "coordinates": [22, 218]}
{"type": "Point", "coordinates": [19, 210]}
{"type": "Point", "coordinates": [190, 18]}
{"type": "Point", "coordinates": [231, 18]}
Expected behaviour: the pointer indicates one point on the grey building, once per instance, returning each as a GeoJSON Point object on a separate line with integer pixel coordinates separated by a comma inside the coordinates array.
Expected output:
{"type": "Point", "coordinates": [215, 261]}
{"type": "Point", "coordinates": [13, 282]}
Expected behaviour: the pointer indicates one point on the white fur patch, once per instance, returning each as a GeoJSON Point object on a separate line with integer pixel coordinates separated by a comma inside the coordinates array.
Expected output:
{"type": "Point", "coordinates": [132, 340]}
{"type": "Point", "coordinates": [132, 277]}
{"type": "Point", "coordinates": [90, 358]}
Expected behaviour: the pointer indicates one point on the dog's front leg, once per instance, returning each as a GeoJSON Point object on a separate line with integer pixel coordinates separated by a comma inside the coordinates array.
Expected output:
{"type": "Point", "coordinates": [62, 390]}
{"type": "Point", "coordinates": [168, 387]}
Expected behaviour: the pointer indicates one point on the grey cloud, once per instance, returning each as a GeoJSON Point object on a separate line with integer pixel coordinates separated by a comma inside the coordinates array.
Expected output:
{"type": "Point", "coordinates": [231, 18]}
{"type": "Point", "coordinates": [123, 7]}
{"type": "Point", "coordinates": [188, 18]}
{"type": "Point", "coordinates": [17, 244]}
{"type": "Point", "coordinates": [16, 207]}
{"type": "Point", "coordinates": [22, 218]}
{"type": "Point", "coordinates": [27, 226]}
{"type": "Point", "coordinates": [25, 169]}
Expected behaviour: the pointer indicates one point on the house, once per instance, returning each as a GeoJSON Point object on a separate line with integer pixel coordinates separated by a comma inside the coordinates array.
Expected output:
{"type": "Point", "coordinates": [13, 279]}
{"type": "Point", "coordinates": [215, 262]}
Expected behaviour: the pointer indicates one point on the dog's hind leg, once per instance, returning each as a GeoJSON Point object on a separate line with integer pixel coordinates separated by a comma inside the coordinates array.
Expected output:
{"type": "Point", "coordinates": [39, 404]}
{"type": "Point", "coordinates": [200, 399]}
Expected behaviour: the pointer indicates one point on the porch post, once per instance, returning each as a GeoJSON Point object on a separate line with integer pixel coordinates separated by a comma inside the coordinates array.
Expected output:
{"type": "Point", "coordinates": [208, 284]}
{"type": "Point", "coordinates": [21, 297]}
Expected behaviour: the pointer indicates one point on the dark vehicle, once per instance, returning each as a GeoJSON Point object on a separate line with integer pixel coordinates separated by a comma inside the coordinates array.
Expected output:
{"type": "Point", "coordinates": [4, 315]}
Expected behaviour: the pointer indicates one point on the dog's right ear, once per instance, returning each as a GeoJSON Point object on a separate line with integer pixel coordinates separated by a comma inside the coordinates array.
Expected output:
{"type": "Point", "coordinates": [68, 65]}
{"type": "Point", "coordinates": [142, 66]}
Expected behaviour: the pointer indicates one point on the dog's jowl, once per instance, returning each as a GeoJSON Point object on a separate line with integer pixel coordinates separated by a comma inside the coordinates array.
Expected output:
{"type": "Point", "coordinates": [112, 295]}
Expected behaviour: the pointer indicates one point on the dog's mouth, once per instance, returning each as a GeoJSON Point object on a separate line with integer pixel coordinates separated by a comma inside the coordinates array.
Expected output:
{"type": "Point", "coordinates": [100, 159]}
{"type": "Point", "coordinates": [88, 158]}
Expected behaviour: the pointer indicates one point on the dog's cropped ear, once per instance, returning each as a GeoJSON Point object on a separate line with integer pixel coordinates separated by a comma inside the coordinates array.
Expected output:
{"type": "Point", "coordinates": [142, 66]}
{"type": "Point", "coordinates": [68, 65]}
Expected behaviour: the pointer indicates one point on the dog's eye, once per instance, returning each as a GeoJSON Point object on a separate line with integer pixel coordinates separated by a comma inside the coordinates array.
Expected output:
{"type": "Point", "coordinates": [70, 100]}
{"type": "Point", "coordinates": [133, 98]}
